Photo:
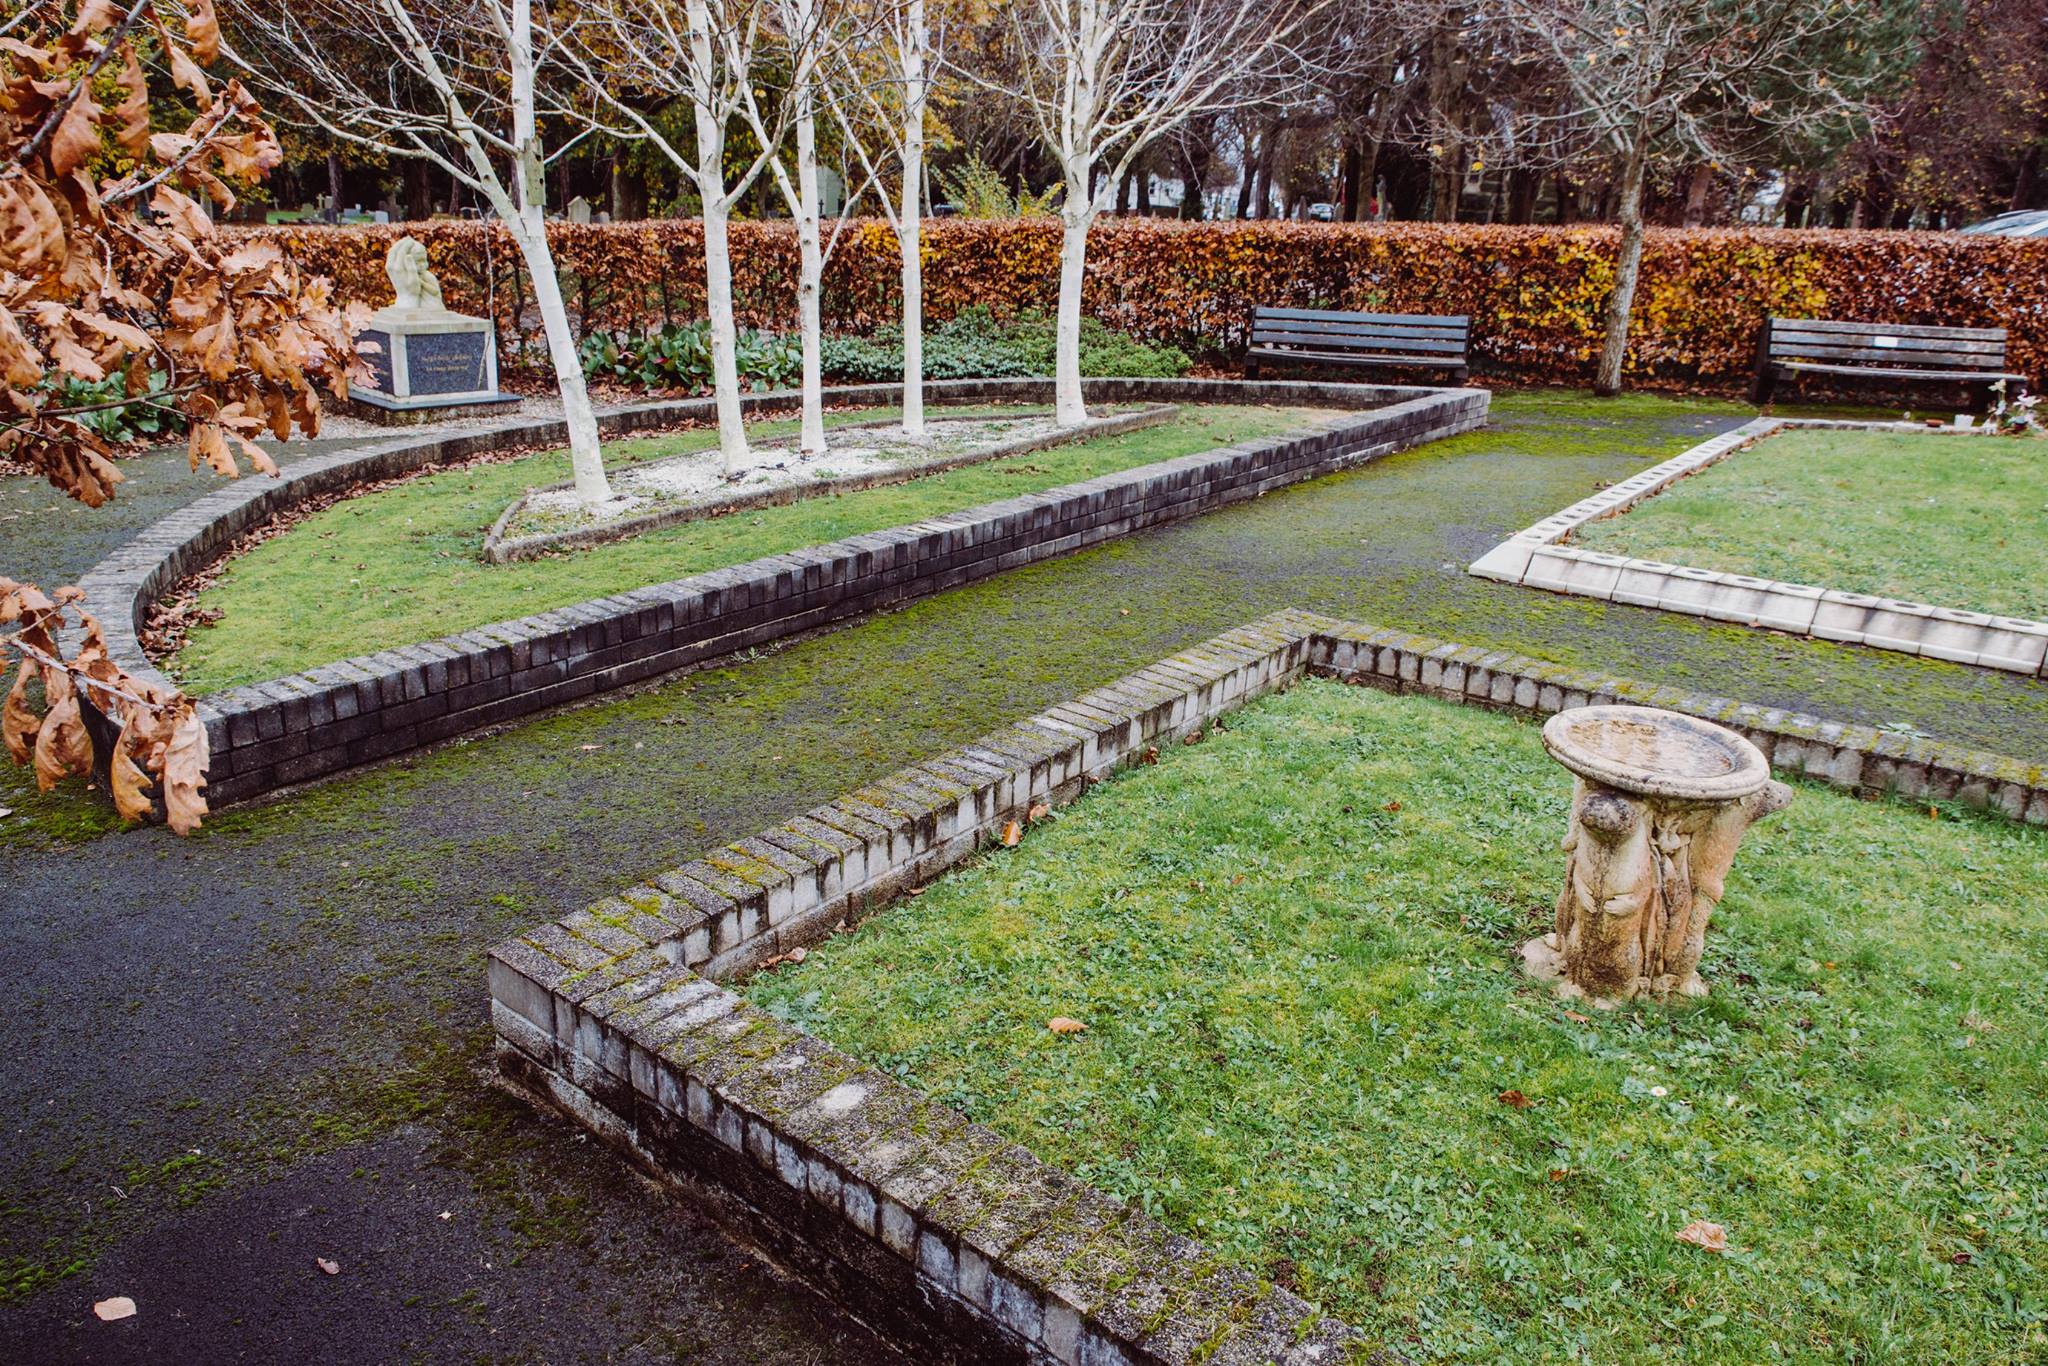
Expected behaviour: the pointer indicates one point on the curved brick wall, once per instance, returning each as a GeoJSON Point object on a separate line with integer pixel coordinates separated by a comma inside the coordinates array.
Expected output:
{"type": "Point", "coordinates": [310, 724]}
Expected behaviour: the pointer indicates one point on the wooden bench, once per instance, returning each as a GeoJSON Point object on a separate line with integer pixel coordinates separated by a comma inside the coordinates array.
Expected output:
{"type": "Point", "coordinates": [1313, 336]}
{"type": "Point", "coordinates": [1791, 347]}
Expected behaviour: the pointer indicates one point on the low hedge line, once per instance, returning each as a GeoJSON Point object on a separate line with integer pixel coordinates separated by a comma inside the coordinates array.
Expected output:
{"type": "Point", "coordinates": [1534, 294]}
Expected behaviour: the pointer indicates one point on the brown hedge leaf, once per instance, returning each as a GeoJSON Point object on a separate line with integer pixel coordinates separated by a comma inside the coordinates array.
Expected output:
{"type": "Point", "coordinates": [131, 786]}
{"type": "Point", "coordinates": [18, 721]}
{"type": "Point", "coordinates": [202, 31]}
{"type": "Point", "coordinates": [63, 749]}
{"type": "Point", "coordinates": [185, 770]}
{"type": "Point", "coordinates": [77, 138]}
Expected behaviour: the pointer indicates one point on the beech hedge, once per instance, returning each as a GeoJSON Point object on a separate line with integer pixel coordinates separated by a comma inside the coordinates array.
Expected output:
{"type": "Point", "coordinates": [1535, 295]}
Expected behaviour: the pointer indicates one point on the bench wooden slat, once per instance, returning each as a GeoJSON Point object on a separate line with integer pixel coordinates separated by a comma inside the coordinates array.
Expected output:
{"type": "Point", "coordinates": [1824, 368]}
{"type": "Point", "coordinates": [1886, 356]}
{"type": "Point", "coordinates": [1390, 319]}
{"type": "Point", "coordinates": [1357, 358]}
{"type": "Point", "coordinates": [1924, 336]}
{"type": "Point", "coordinates": [1435, 345]}
{"type": "Point", "coordinates": [1824, 341]}
{"type": "Point", "coordinates": [1342, 329]}
{"type": "Point", "coordinates": [1933, 353]}
{"type": "Point", "coordinates": [1889, 329]}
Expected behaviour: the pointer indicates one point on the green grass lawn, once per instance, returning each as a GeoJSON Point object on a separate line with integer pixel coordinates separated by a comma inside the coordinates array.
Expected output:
{"type": "Point", "coordinates": [1293, 946]}
{"type": "Point", "coordinates": [1953, 521]}
{"type": "Point", "coordinates": [401, 565]}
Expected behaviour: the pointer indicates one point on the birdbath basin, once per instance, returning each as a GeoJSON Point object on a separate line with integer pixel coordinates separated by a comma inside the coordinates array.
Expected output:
{"type": "Point", "coordinates": [1660, 801]}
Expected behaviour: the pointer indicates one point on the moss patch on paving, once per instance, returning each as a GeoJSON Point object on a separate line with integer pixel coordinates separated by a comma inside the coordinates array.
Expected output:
{"type": "Point", "coordinates": [1293, 946]}
{"type": "Point", "coordinates": [401, 565]}
{"type": "Point", "coordinates": [1953, 521]}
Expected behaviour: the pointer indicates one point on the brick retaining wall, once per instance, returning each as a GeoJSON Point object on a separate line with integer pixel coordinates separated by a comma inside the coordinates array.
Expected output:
{"type": "Point", "coordinates": [307, 725]}
{"type": "Point", "coordinates": [936, 1231]}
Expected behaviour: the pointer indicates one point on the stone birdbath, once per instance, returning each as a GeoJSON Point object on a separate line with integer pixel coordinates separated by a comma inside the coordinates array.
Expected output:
{"type": "Point", "coordinates": [1659, 802]}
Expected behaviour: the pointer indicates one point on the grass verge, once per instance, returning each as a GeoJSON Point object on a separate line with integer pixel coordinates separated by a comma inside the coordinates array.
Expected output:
{"type": "Point", "coordinates": [401, 565]}
{"type": "Point", "coordinates": [1293, 948]}
{"type": "Point", "coordinates": [1953, 521]}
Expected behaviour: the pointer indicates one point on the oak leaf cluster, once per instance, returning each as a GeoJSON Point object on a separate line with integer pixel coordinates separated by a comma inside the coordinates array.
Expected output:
{"type": "Point", "coordinates": [157, 744]}
{"type": "Point", "coordinates": [111, 266]}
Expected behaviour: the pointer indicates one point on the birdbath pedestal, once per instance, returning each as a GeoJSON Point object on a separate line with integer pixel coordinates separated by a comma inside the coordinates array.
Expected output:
{"type": "Point", "coordinates": [1660, 800]}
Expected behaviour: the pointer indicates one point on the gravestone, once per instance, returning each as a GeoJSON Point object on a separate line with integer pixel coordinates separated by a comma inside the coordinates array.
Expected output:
{"type": "Point", "coordinates": [429, 362]}
{"type": "Point", "coordinates": [579, 210]}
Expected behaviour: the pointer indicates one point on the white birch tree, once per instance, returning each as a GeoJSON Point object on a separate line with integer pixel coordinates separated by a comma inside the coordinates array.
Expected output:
{"type": "Point", "coordinates": [634, 58]}
{"type": "Point", "coordinates": [827, 32]}
{"type": "Point", "coordinates": [880, 94]}
{"type": "Point", "coordinates": [456, 83]}
{"type": "Point", "coordinates": [1104, 80]}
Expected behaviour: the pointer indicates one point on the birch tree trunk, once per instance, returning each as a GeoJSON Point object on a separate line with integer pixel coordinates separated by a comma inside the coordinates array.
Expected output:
{"type": "Point", "coordinates": [717, 212]}
{"type": "Point", "coordinates": [910, 218]}
{"type": "Point", "coordinates": [725, 370]}
{"type": "Point", "coordinates": [811, 269]}
{"type": "Point", "coordinates": [527, 222]}
{"type": "Point", "coordinates": [1627, 267]}
{"type": "Point", "coordinates": [1076, 216]}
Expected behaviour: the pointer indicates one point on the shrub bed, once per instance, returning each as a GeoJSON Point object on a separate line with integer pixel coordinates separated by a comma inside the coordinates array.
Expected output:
{"type": "Point", "coordinates": [1535, 294]}
{"type": "Point", "coordinates": [973, 344]}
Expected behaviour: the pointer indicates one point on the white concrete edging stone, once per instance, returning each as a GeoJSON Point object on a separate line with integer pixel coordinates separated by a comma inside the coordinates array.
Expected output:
{"type": "Point", "coordinates": [1538, 557]}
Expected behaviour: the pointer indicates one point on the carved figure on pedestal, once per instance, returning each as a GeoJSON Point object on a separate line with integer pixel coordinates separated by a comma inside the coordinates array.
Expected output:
{"type": "Point", "coordinates": [412, 279]}
{"type": "Point", "coordinates": [1660, 802]}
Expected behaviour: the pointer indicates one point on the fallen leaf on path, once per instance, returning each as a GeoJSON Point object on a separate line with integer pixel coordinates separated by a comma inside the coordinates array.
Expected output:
{"type": "Point", "coordinates": [119, 1307]}
{"type": "Point", "coordinates": [1013, 835]}
{"type": "Point", "coordinates": [587, 748]}
{"type": "Point", "coordinates": [1701, 1234]}
{"type": "Point", "coordinates": [1515, 1099]}
{"type": "Point", "coordinates": [1061, 1024]}
{"type": "Point", "coordinates": [1574, 1016]}
{"type": "Point", "coordinates": [331, 1268]}
{"type": "Point", "coordinates": [1038, 812]}
{"type": "Point", "coordinates": [797, 955]}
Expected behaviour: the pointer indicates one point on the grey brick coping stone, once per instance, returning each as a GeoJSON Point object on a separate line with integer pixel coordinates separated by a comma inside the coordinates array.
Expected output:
{"type": "Point", "coordinates": [936, 1230]}
{"type": "Point", "coordinates": [1538, 556]}
{"type": "Point", "coordinates": [315, 723]}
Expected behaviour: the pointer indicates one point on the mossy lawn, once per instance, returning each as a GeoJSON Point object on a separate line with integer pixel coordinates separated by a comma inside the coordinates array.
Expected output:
{"type": "Point", "coordinates": [1293, 946]}
{"type": "Point", "coordinates": [402, 565]}
{"type": "Point", "coordinates": [1955, 521]}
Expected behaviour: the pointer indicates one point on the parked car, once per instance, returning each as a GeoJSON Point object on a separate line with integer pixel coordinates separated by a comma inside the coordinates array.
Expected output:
{"type": "Point", "coordinates": [1322, 213]}
{"type": "Point", "coordinates": [2024, 223]}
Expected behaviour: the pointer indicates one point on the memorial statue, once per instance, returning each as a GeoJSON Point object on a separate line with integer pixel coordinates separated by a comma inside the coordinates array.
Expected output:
{"type": "Point", "coordinates": [418, 289]}
{"type": "Point", "coordinates": [425, 362]}
{"type": "Point", "coordinates": [1659, 803]}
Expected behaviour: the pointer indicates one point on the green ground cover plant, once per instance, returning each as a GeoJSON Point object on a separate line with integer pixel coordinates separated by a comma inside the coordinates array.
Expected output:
{"type": "Point", "coordinates": [1308, 1045]}
{"type": "Point", "coordinates": [402, 564]}
{"type": "Point", "coordinates": [973, 344]}
{"type": "Point", "coordinates": [976, 344]}
{"type": "Point", "coordinates": [1949, 520]}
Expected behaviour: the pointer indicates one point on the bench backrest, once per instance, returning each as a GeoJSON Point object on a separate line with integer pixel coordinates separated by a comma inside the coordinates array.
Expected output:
{"type": "Point", "coordinates": [1897, 346]}
{"type": "Point", "coordinates": [1431, 340]}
